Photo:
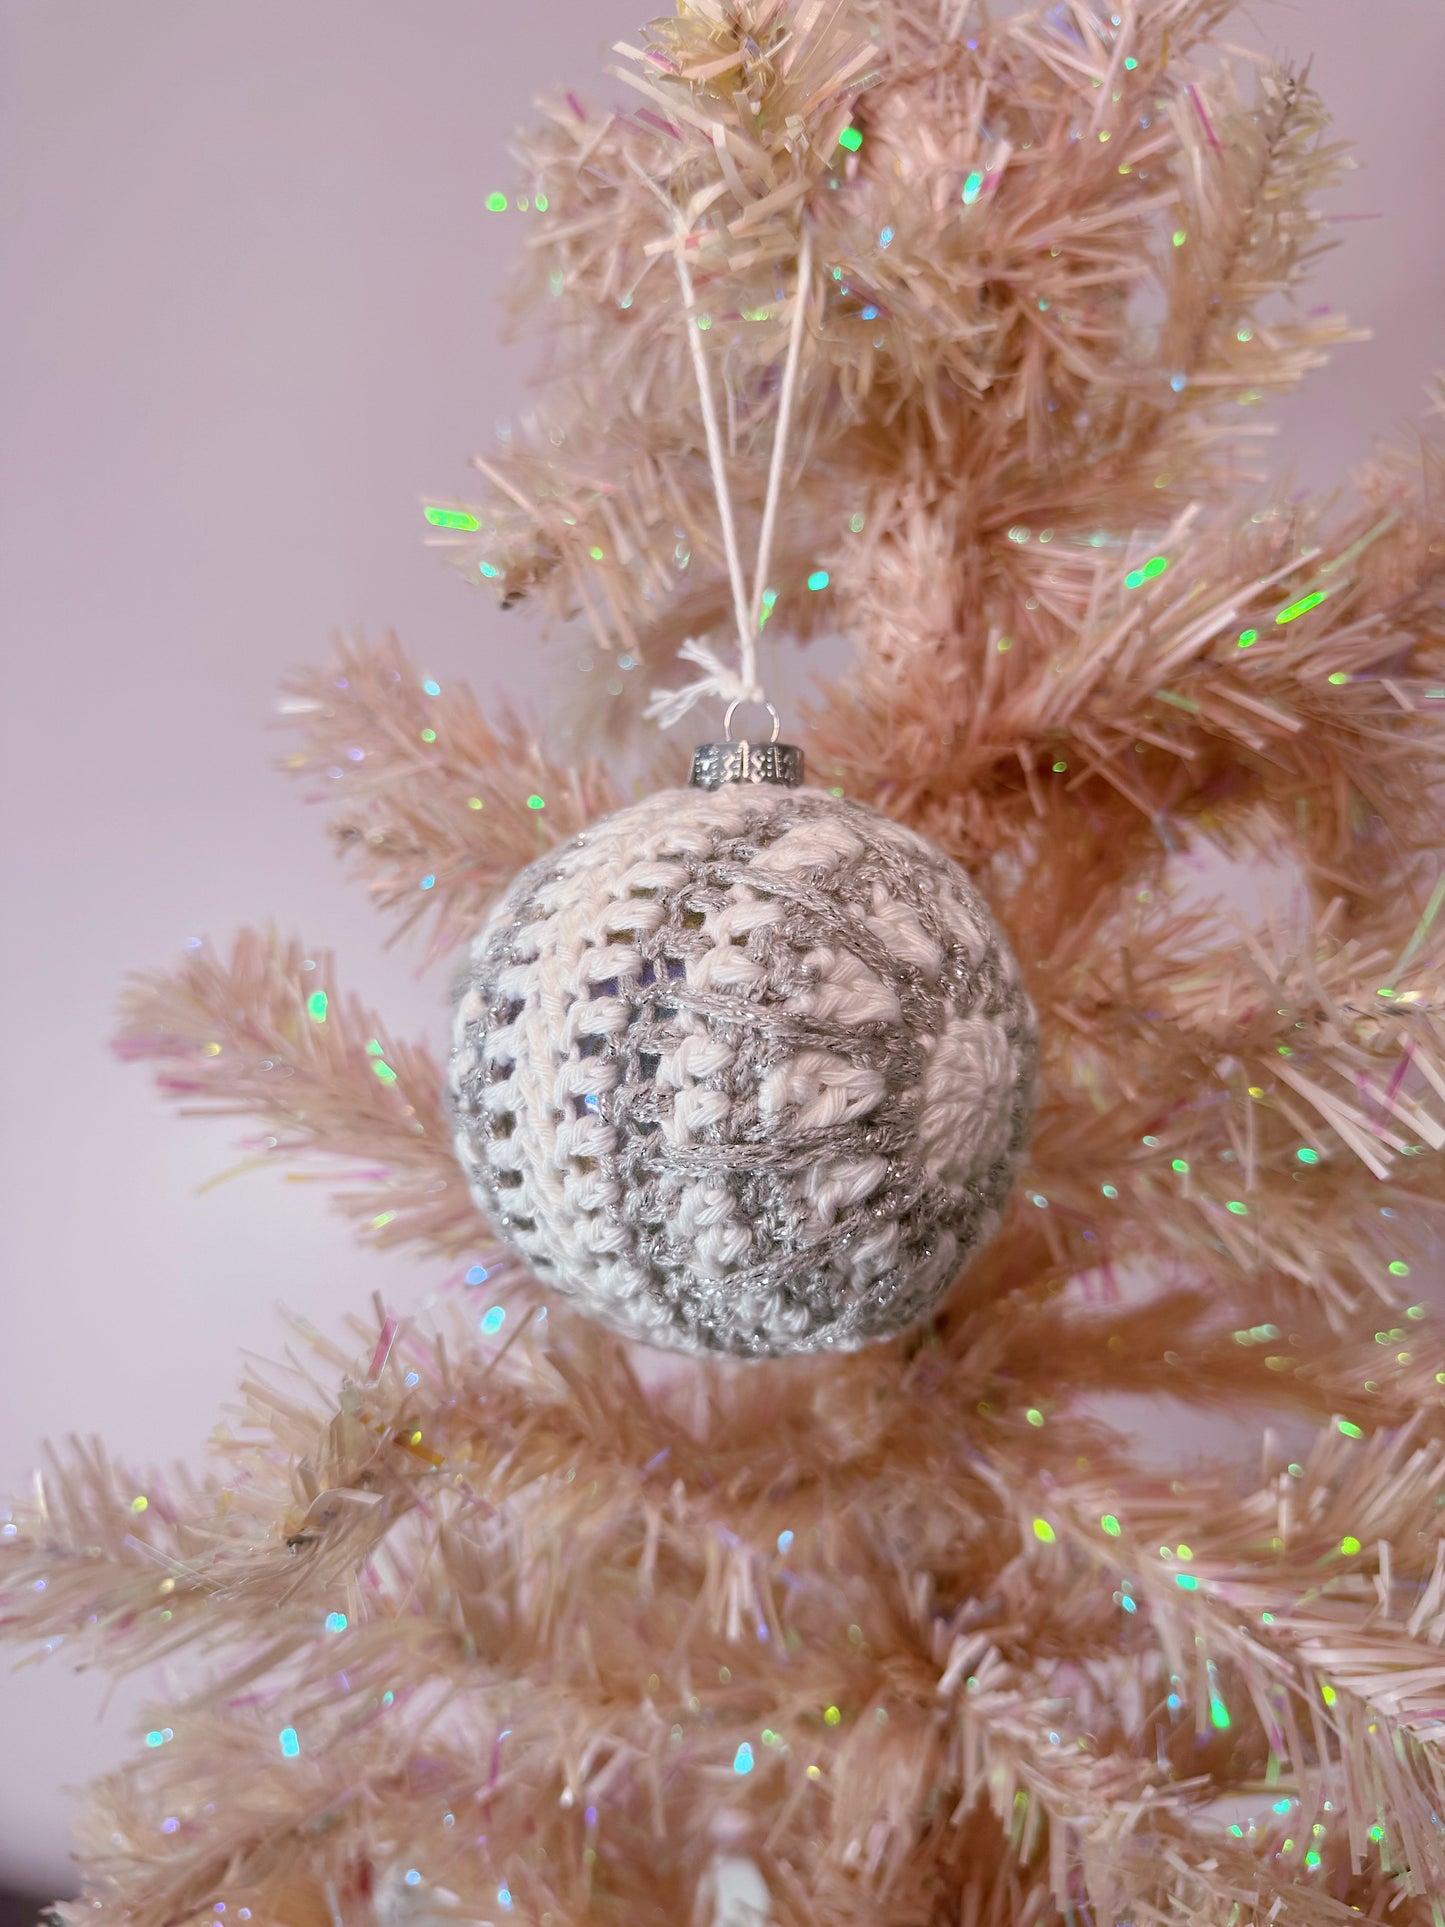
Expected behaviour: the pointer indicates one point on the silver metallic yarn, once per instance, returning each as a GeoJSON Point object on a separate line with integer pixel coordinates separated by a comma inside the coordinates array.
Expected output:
{"type": "Point", "coordinates": [744, 1071]}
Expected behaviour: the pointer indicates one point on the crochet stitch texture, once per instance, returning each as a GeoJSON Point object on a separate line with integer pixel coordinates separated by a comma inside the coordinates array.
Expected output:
{"type": "Point", "coordinates": [748, 1071]}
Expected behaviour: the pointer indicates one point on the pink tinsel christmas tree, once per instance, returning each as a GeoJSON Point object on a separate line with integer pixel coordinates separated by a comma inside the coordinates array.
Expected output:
{"type": "Point", "coordinates": [509, 1627]}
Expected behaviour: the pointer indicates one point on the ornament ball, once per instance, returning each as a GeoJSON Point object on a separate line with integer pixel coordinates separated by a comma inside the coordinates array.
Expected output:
{"type": "Point", "coordinates": [745, 1069]}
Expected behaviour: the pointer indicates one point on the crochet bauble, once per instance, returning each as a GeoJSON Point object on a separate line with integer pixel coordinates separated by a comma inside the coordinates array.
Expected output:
{"type": "Point", "coordinates": [744, 1070]}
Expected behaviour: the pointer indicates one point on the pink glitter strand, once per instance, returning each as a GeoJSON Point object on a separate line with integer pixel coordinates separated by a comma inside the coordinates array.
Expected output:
{"type": "Point", "coordinates": [1204, 120]}
{"type": "Point", "coordinates": [656, 120]}
{"type": "Point", "coordinates": [384, 1343]}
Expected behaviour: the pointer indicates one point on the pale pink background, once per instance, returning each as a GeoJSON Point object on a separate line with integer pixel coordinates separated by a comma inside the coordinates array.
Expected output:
{"type": "Point", "coordinates": [248, 319]}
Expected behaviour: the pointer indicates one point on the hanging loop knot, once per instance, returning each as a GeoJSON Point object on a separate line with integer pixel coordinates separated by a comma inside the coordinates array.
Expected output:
{"type": "Point", "coordinates": [718, 682]}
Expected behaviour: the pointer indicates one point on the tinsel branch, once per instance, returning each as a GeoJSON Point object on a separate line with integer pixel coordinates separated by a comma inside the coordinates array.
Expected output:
{"type": "Point", "coordinates": [1334, 1634]}
{"type": "Point", "coordinates": [1282, 662]}
{"type": "Point", "coordinates": [1213, 1099]}
{"type": "Point", "coordinates": [436, 806]}
{"type": "Point", "coordinates": [266, 1034]}
{"type": "Point", "coordinates": [1166, 179]}
{"type": "Point", "coordinates": [900, 1662]}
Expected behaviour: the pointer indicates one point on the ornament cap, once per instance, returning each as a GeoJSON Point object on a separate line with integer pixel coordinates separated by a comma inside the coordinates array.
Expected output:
{"type": "Point", "coordinates": [716, 764]}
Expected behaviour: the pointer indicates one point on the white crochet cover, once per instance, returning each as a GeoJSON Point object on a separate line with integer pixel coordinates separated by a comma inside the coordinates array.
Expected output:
{"type": "Point", "coordinates": [745, 1071]}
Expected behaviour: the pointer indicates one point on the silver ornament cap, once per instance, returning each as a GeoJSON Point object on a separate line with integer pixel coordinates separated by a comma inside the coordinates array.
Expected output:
{"type": "Point", "coordinates": [716, 764]}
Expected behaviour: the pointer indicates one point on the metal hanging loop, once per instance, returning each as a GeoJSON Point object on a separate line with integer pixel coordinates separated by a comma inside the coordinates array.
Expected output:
{"type": "Point", "coordinates": [732, 710]}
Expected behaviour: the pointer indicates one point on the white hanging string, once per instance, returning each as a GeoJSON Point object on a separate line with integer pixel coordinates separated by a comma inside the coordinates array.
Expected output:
{"type": "Point", "coordinates": [747, 643]}
{"type": "Point", "coordinates": [785, 418]}
{"type": "Point", "coordinates": [669, 706]}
